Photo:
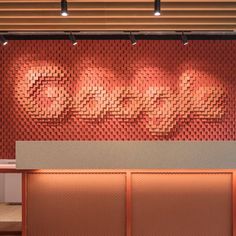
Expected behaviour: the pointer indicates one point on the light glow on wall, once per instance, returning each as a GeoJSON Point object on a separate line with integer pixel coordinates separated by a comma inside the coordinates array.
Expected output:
{"type": "Point", "coordinates": [100, 91]}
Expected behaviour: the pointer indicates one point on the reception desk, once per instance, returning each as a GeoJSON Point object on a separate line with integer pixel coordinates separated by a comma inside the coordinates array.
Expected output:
{"type": "Point", "coordinates": [86, 199]}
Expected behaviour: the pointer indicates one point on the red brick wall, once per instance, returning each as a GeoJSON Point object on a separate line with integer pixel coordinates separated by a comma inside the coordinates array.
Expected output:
{"type": "Point", "coordinates": [110, 90]}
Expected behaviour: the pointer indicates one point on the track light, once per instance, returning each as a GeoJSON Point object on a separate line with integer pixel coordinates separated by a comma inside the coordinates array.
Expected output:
{"type": "Point", "coordinates": [184, 39]}
{"type": "Point", "coordinates": [3, 40]}
{"type": "Point", "coordinates": [64, 8]}
{"type": "Point", "coordinates": [157, 8]}
{"type": "Point", "coordinates": [132, 39]}
{"type": "Point", "coordinates": [73, 39]}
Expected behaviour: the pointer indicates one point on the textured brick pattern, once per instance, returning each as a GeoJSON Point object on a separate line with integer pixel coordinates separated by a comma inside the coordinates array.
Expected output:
{"type": "Point", "coordinates": [109, 90]}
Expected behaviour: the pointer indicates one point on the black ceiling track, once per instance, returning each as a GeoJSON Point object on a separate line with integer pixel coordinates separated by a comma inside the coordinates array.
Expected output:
{"type": "Point", "coordinates": [119, 37]}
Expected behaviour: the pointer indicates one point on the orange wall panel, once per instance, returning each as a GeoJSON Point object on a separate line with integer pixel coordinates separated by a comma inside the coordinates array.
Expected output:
{"type": "Point", "coordinates": [182, 204]}
{"type": "Point", "coordinates": [133, 203]}
{"type": "Point", "coordinates": [75, 204]}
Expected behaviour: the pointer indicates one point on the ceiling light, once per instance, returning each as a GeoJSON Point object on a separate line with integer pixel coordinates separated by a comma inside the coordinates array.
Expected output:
{"type": "Point", "coordinates": [132, 39]}
{"type": "Point", "coordinates": [73, 39]}
{"type": "Point", "coordinates": [64, 8]}
{"type": "Point", "coordinates": [157, 8]}
{"type": "Point", "coordinates": [3, 40]}
{"type": "Point", "coordinates": [184, 39]}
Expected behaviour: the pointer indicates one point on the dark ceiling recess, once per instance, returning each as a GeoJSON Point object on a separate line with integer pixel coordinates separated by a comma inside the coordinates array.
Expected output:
{"type": "Point", "coordinates": [138, 36]}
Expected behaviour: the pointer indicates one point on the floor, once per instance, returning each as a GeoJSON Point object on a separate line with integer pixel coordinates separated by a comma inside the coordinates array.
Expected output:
{"type": "Point", "coordinates": [10, 219]}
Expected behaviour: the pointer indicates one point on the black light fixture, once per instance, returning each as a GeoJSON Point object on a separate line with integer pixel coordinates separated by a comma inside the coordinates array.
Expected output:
{"type": "Point", "coordinates": [73, 39]}
{"type": "Point", "coordinates": [64, 8]}
{"type": "Point", "coordinates": [157, 8]}
{"type": "Point", "coordinates": [3, 40]}
{"type": "Point", "coordinates": [132, 39]}
{"type": "Point", "coordinates": [184, 39]}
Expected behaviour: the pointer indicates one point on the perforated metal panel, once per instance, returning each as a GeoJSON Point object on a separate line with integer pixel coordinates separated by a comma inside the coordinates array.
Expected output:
{"type": "Point", "coordinates": [181, 204]}
{"type": "Point", "coordinates": [75, 204]}
{"type": "Point", "coordinates": [109, 90]}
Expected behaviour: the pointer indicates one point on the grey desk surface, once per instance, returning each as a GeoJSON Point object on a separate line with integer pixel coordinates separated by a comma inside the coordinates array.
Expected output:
{"type": "Point", "coordinates": [125, 155]}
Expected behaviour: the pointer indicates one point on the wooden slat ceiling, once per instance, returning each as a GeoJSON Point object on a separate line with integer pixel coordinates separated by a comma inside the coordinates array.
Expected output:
{"type": "Point", "coordinates": [118, 15]}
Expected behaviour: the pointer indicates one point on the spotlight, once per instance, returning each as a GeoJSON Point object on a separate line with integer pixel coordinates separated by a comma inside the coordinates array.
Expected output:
{"type": "Point", "coordinates": [3, 40]}
{"type": "Point", "coordinates": [64, 8]}
{"type": "Point", "coordinates": [132, 39]}
{"type": "Point", "coordinates": [157, 8]}
{"type": "Point", "coordinates": [184, 39]}
{"type": "Point", "coordinates": [73, 39]}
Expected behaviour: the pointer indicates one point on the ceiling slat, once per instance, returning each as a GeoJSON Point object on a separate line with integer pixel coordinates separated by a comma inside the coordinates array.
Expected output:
{"type": "Point", "coordinates": [114, 6]}
{"type": "Point", "coordinates": [119, 14]}
{"type": "Point", "coordinates": [117, 28]}
{"type": "Point", "coordinates": [107, 1]}
{"type": "Point", "coordinates": [135, 21]}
